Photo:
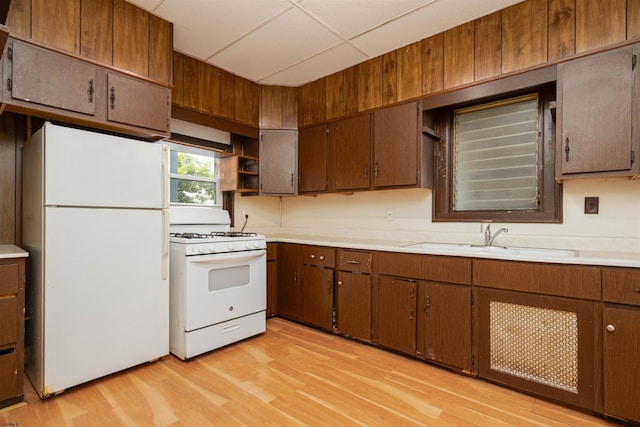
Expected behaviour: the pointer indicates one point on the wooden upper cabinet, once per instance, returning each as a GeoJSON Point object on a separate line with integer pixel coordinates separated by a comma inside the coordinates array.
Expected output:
{"type": "Point", "coordinates": [409, 71]}
{"type": "Point", "coordinates": [96, 25]}
{"type": "Point", "coordinates": [352, 152]}
{"type": "Point", "coordinates": [177, 93]}
{"type": "Point", "coordinates": [130, 37]}
{"type": "Point", "coordinates": [190, 82]}
{"type": "Point", "coordinates": [312, 159]}
{"type": "Point", "coordinates": [432, 64]}
{"type": "Point", "coordinates": [19, 18]}
{"type": "Point", "coordinates": [227, 95]}
{"type": "Point", "coordinates": [390, 78]}
{"type": "Point", "coordinates": [208, 88]}
{"type": "Point", "coordinates": [278, 162]}
{"type": "Point", "coordinates": [562, 29]}
{"type": "Point", "coordinates": [597, 114]}
{"type": "Point", "coordinates": [278, 107]}
{"type": "Point", "coordinates": [395, 146]}
{"type": "Point", "coordinates": [56, 23]}
{"type": "Point", "coordinates": [335, 95]}
{"type": "Point", "coordinates": [488, 46]}
{"type": "Point", "coordinates": [160, 49]}
{"type": "Point", "coordinates": [247, 97]}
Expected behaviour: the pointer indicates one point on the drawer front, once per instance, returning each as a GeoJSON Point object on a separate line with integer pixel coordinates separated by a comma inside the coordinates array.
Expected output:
{"type": "Point", "coordinates": [621, 285]}
{"type": "Point", "coordinates": [8, 320]}
{"type": "Point", "coordinates": [355, 261]}
{"type": "Point", "coordinates": [318, 255]}
{"type": "Point", "coordinates": [9, 278]}
{"type": "Point", "coordinates": [399, 264]}
{"type": "Point", "coordinates": [9, 374]}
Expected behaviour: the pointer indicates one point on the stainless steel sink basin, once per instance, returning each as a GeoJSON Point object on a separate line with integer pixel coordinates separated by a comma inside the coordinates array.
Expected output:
{"type": "Point", "coordinates": [506, 250]}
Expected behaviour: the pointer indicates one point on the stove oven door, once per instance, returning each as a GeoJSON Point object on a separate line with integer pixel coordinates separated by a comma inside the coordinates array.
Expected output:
{"type": "Point", "coordinates": [221, 287]}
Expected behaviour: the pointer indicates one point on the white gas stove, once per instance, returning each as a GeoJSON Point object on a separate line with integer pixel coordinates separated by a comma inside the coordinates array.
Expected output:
{"type": "Point", "coordinates": [218, 282]}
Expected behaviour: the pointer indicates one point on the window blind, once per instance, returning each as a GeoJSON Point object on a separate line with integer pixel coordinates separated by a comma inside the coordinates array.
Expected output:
{"type": "Point", "coordinates": [496, 156]}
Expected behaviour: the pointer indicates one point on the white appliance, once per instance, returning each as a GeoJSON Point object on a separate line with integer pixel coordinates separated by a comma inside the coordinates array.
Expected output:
{"type": "Point", "coordinates": [95, 222]}
{"type": "Point", "coordinates": [218, 282]}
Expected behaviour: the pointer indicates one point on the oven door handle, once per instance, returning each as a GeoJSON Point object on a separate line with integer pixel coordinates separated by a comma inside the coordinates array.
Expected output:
{"type": "Point", "coordinates": [230, 256]}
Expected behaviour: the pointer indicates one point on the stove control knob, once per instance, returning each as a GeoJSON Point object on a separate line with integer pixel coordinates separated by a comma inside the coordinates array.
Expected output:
{"type": "Point", "coordinates": [212, 248]}
{"type": "Point", "coordinates": [202, 249]}
{"type": "Point", "coordinates": [248, 245]}
{"type": "Point", "coordinates": [256, 245]}
{"type": "Point", "coordinates": [231, 248]}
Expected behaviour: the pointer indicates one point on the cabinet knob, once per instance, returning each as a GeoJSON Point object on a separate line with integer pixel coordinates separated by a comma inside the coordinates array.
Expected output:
{"type": "Point", "coordinates": [339, 282]}
{"type": "Point", "coordinates": [312, 256]}
{"type": "Point", "coordinates": [637, 290]}
{"type": "Point", "coordinates": [611, 328]}
{"type": "Point", "coordinates": [321, 257]}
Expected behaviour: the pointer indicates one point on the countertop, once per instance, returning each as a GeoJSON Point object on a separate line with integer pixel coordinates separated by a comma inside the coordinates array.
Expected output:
{"type": "Point", "coordinates": [586, 257]}
{"type": "Point", "coordinates": [12, 251]}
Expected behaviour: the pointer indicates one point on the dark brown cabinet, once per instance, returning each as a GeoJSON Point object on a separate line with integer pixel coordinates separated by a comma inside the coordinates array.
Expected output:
{"type": "Point", "coordinates": [598, 115]}
{"type": "Point", "coordinates": [352, 144]}
{"type": "Point", "coordinates": [12, 279]}
{"type": "Point", "coordinates": [272, 279]}
{"type": "Point", "coordinates": [396, 314]}
{"type": "Point", "coordinates": [396, 146]}
{"type": "Point", "coordinates": [621, 342]}
{"type": "Point", "coordinates": [312, 159]}
{"type": "Point", "coordinates": [317, 268]}
{"type": "Point", "coordinates": [353, 294]}
{"type": "Point", "coordinates": [53, 85]}
{"type": "Point", "coordinates": [288, 292]}
{"type": "Point", "coordinates": [278, 162]}
{"type": "Point", "coordinates": [444, 324]}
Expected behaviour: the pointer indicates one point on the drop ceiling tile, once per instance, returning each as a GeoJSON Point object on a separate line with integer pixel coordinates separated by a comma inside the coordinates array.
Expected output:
{"type": "Point", "coordinates": [282, 42]}
{"type": "Point", "coordinates": [334, 59]}
{"type": "Point", "coordinates": [354, 17]}
{"type": "Point", "coordinates": [204, 27]}
{"type": "Point", "coordinates": [433, 19]}
{"type": "Point", "coordinates": [149, 5]}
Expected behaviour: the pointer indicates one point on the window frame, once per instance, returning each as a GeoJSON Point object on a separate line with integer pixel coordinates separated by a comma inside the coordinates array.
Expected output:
{"type": "Point", "coordinates": [550, 206]}
{"type": "Point", "coordinates": [199, 151]}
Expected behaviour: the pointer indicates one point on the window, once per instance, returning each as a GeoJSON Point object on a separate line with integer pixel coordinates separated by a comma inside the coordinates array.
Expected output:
{"type": "Point", "coordinates": [194, 176]}
{"type": "Point", "coordinates": [496, 160]}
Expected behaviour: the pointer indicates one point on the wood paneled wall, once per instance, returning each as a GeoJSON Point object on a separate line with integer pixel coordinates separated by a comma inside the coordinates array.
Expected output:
{"type": "Point", "coordinates": [10, 179]}
{"type": "Point", "coordinates": [113, 32]}
{"type": "Point", "coordinates": [526, 35]}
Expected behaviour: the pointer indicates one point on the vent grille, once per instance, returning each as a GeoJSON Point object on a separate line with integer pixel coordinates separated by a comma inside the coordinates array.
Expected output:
{"type": "Point", "coordinates": [536, 344]}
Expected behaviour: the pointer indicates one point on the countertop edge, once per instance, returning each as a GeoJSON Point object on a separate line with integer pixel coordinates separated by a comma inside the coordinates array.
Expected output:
{"type": "Point", "coordinates": [607, 259]}
{"type": "Point", "coordinates": [12, 251]}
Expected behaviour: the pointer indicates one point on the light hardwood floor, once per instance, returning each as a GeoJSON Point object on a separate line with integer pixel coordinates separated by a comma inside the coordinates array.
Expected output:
{"type": "Point", "coordinates": [290, 376]}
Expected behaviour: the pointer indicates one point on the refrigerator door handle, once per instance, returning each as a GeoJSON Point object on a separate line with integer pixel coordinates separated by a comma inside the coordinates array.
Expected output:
{"type": "Point", "coordinates": [165, 175]}
{"type": "Point", "coordinates": [165, 246]}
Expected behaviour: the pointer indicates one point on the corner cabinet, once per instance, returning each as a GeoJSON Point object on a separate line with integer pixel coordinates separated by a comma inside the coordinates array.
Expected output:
{"type": "Point", "coordinates": [278, 162]}
{"type": "Point", "coordinates": [54, 85]}
{"type": "Point", "coordinates": [598, 115]}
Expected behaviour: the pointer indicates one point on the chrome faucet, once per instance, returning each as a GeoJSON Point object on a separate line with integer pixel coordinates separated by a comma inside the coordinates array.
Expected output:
{"type": "Point", "coordinates": [489, 238]}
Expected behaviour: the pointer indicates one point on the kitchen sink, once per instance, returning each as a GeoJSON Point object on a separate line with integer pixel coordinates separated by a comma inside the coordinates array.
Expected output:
{"type": "Point", "coordinates": [497, 250]}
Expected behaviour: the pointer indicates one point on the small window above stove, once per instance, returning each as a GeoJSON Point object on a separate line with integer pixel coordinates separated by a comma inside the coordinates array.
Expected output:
{"type": "Point", "coordinates": [194, 176]}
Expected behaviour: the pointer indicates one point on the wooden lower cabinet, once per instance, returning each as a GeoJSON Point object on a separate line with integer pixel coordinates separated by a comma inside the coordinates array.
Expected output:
{"type": "Point", "coordinates": [353, 305]}
{"type": "Point", "coordinates": [12, 279]}
{"type": "Point", "coordinates": [288, 291]}
{"type": "Point", "coordinates": [621, 360]}
{"type": "Point", "coordinates": [396, 314]}
{"type": "Point", "coordinates": [272, 279]}
{"type": "Point", "coordinates": [444, 324]}
{"type": "Point", "coordinates": [317, 296]}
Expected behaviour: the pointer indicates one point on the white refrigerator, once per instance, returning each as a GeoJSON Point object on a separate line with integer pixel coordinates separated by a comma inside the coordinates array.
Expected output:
{"type": "Point", "coordinates": [96, 224]}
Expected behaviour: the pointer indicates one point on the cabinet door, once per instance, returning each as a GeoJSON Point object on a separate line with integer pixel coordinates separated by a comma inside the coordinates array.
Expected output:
{"type": "Point", "coordinates": [312, 159]}
{"type": "Point", "coordinates": [138, 103]}
{"type": "Point", "coordinates": [288, 295]}
{"type": "Point", "coordinates": [352, 152]}
{"type": "Point", "coordinates": [317, 296]}
{"type": "Point", "coordinates": [395, 147]}
{"type": "Point", "coordinates": [621, 355]}
{"type": "Point", "coordinates": [278, 162]}
{"type": "Point", "coordinates": [596, 112]}
{"type": "Point", "coordinates": [444, 324]}
{"type": "Point", "coordinates": [396, 327]}
{"type": "Point", "coordinates": [36, 77]}
{"type": "Point", "coordinates": [272, 287]}
{"type": "Point", "coordinates": [353, 305]}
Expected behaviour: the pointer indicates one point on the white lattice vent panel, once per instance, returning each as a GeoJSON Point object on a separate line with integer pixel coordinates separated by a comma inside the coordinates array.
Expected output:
{"type": "Point", "coordinates": [535, 344]}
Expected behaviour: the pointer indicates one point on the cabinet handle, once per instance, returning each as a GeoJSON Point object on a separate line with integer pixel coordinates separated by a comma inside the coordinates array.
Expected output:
{"type": "Point", "coordinates": [113, 97]}
{"type": "Point", "coordinates": [566, 149]}
{"type": "Point", "coordinates": [411, 293]}
{"type": "Point", "coordinates": [339, 282]}
{"type": "Point", "coordinates": [312, 256]}
{"type": "Point", "coordinates": [353, 261]}
{"type": "Point", "coordinates": [91, 90]}
{"type": "Point", "coordinates": [611, 328]}
{"type": "Point", "coordinates": [427, 304]}
{"type": "Point", "coordinates": [292, 180]}
{"type": "Point", "coordinates": [321, 257]}
{"type": "Point", "coordinates": [411, 313]}
{"type": "Point", "coordinates": [328, 286]}
{"type": "Point", "coordinates": [366, 172]}
{"type": "Point", "coordinates": [375, 170]}
{"type": "Point", "coordinates": [295, 279]}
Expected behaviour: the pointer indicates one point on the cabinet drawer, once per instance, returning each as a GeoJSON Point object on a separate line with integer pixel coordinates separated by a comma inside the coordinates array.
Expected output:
{"type": "Point", "coordinates": [318, 255]}
{"type": "Point", "coordinates": [272, 251]}
{"type": "Point", "coordinates": [8, 320]}
{"type": "Point", "coordinates": [355, 261]}
{"type": "Point", "coordinates": [621, 285]}
{"type": "Point", "coordinates": [8, 374]}
{"type": "Point", "coordinates": [399, 264]}
{"type": "Point", "coordinates": [9, 278]}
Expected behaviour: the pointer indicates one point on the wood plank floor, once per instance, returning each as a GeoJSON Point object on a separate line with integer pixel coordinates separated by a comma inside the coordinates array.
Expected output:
{"type": "Point", "coordinates": [291, 376]}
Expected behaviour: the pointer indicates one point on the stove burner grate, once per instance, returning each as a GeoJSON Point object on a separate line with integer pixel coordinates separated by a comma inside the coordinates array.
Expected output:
{"type": "Point", "coordinates": [212, 234]}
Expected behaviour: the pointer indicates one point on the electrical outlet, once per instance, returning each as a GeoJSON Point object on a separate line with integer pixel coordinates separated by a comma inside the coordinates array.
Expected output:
{"type": "Point", "coordinates": [389, 214]}
{"type": "Point", "coordinates": [591, 205]}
